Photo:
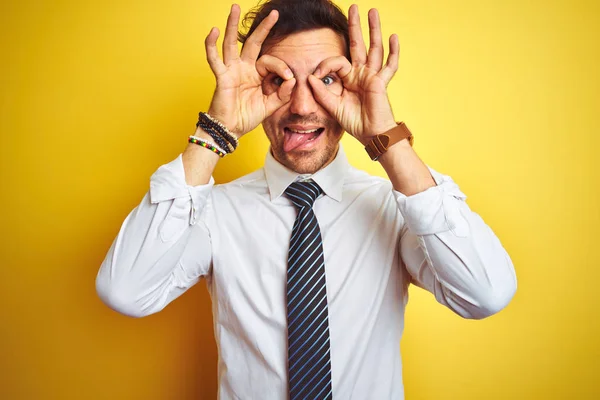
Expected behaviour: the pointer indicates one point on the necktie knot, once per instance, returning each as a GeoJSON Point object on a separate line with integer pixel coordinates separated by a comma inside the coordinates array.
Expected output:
{"type": "Point", "coordinates": [303, 194]}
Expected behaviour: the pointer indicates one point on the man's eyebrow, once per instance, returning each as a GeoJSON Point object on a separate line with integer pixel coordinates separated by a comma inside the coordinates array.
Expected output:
{"type": "Point", "coordinates": [329, 73]}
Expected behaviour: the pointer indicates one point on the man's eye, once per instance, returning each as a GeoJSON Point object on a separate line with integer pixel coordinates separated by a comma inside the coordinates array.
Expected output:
{"type": "Point", "coordinates": [328, 80]}
{"type": "Point", "coordinates": [278, 80]}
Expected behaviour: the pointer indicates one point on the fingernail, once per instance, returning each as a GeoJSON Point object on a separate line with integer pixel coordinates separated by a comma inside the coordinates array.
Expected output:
{"type": "Point", "coordinates": [317, 72]}
{"type": "Point", "coordinates": [288, 74]}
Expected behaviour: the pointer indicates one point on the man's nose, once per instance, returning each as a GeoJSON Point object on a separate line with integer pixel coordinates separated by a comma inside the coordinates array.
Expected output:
{"type": "Point", "coordinates": [303, 101]}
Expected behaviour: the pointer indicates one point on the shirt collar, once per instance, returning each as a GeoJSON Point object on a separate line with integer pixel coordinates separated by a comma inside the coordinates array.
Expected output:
{"type": "Point", "coordinates": [330, 179]}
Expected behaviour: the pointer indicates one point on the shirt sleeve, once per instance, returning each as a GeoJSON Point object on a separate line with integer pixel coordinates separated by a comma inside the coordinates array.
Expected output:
{"type": "Point", "coordinates": [162, 248]}
{"type": "Point", "coordinates": [451, 252]}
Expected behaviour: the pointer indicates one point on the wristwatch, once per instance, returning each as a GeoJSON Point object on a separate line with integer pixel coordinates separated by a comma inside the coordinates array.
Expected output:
{"type": "Point", "coordinates": [382, 142]}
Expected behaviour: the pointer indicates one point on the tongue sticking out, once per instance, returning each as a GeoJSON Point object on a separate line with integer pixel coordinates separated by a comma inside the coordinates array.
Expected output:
{"type": "Point", "coordinates": [294, 140]}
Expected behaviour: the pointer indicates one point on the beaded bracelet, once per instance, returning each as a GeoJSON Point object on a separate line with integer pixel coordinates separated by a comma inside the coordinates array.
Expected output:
{"type": "Point", "coordinates": [224, 144]}
{"type": "Point", "coordinates": [230, 137]}
{"type": "Point", "coordinates": [207, 145]}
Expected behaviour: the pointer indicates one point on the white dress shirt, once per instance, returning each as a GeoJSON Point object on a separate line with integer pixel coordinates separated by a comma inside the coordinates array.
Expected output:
{"type": "Point", "coordinates": [376, 241]}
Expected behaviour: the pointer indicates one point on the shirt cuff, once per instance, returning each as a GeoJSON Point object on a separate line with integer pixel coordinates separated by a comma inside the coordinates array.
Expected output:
{"type": "Point", "coordinates": [435, 210]}
{"type": "Point", "coordinates": [168, 183]}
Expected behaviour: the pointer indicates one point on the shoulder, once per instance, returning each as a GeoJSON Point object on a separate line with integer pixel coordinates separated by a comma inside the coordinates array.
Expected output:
{"type": "Point", "coordinates": [359, 180]}
{"type": "Point", "coordinates": [254, 182]}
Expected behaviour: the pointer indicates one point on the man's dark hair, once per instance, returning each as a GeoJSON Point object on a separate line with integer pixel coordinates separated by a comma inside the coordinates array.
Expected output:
{"type": "Point", "coordinates": [297, 16]}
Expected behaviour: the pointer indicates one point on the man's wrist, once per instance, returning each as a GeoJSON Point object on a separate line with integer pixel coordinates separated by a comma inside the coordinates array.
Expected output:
{"type": "Point", "coordinates": [202, 134]}
{"type": "Point", "coordinates": [379, 145]}
{"type": "Point", "coordinates": [401, 146]}
{"type": "Point", "coordinates": [383, 128]}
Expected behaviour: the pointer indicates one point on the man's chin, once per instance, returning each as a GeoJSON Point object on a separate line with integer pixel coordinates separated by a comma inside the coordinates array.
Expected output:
{"type": "Point", "coordinates": [304, 161]}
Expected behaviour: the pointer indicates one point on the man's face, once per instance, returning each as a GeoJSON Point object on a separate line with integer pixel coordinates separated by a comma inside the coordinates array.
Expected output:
{"type": "Point", "coordinates": [303, 136]}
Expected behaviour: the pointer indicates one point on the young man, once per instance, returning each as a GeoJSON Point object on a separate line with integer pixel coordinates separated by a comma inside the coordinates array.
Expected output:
{"type": "Point", "coordinates": [308, 260]}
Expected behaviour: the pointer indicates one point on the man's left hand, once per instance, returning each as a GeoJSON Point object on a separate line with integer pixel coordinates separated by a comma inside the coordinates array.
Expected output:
{"type": "Point", "coordinates": [363, 109]}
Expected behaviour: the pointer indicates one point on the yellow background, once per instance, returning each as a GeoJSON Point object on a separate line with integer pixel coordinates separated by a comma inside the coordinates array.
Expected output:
{"type": "Point", "coordinates": [504, 96]}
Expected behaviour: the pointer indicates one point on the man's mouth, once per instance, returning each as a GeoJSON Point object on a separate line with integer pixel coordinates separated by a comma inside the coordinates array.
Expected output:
{"type": "Point", "coordinates": [301, 137]}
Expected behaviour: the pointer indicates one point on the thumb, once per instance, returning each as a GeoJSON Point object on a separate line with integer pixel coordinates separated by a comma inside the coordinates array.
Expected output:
{"type": "Point", "coordinates": [328, 100]}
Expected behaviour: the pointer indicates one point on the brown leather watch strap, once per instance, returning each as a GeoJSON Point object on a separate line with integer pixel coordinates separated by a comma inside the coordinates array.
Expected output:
{"type": "Point", "coordinates": [382, 142]}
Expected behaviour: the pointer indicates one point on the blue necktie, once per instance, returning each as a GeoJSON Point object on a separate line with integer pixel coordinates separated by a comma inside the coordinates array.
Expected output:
{"type": "Point", "coordinates": [309, 365]}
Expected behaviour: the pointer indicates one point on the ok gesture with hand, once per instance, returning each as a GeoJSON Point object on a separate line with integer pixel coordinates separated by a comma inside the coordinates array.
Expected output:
{"type": "Point", "coordinates": [239, 102]}
{"type": "Point", "coordinates": [363, 108]}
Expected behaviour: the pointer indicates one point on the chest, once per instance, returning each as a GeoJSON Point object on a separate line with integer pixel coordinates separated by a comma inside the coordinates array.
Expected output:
{"type": "Point", "coordinates": [251, 239]}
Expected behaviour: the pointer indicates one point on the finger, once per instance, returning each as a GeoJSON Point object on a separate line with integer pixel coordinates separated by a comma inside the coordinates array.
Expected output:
{"type": "Point", "coordinates": [327, 99]}
{"type": "Point", "coordinates": [280, 97]}
{"type": "Point", "coordinates": [254, 43]}
{"type": "Point", "coordinates": [338, 65]}
{"type": "Point", "coordinates": [358, 53]}
{"type": "Point", "coordinates": [267, 64]}
{"type": "Point", "coordinates": [391, 66]}
{"type": "Point", "coordinates": [375, 58]}
{"type": "Point", "coordinates": [212, 54]}
{"type": "Point", "coordinates": [230, 48]}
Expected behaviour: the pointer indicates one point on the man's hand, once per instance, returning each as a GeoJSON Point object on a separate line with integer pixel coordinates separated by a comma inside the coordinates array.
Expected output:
{"type": "Point", "coordinates": [239, 102]}
{"type": "Point", "coordinates": [363, 109]}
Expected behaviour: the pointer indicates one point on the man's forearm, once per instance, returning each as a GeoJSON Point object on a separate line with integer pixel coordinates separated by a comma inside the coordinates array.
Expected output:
{"type": "Point", "coordinates": [408, 174]}
{"type": "Point", "coordinates": [198, 162]}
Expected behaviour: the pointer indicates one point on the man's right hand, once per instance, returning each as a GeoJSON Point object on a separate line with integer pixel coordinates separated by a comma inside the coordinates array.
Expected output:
{"type": "Point", "coordinates": [239, 102]}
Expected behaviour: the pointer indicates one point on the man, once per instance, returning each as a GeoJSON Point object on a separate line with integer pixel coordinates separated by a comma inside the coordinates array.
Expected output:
{"type": "Point", "coordinates": [308, 260]}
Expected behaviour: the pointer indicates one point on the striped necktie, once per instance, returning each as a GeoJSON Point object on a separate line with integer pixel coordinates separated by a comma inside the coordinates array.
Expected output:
{"type": "Point", "coordinates": [309, 366]}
